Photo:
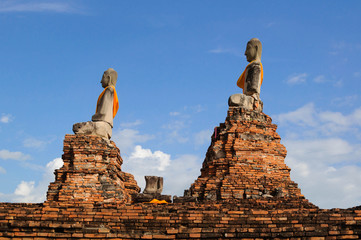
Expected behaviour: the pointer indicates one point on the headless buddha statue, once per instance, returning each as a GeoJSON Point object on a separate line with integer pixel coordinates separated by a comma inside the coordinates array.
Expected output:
{"type": "Point", "coordinates": [251, 79]}
{"type": "Point", "coordinates": [106, 109]}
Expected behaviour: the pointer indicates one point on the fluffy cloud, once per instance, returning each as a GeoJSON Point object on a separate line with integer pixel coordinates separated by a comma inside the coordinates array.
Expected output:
{"type": "Point", "coordinates": [29, 191]}
{"type": "Point", "coordinates": [6, 154]}
{"type": "Point", "coordinates": [156, 161]}
{"type": "Point", "coordinates": [323, 155]}
{"type": "Point", "coordinates": [126, 139]}
{"type": "Point", "coordinates": [297, 79]}
{"type": "Point", "coordinates": [303, 116]}
{"type": "Point", "coordinates": [327, 171]}
{"type": "Point", "coordinates": [178, 173]}
{"type": "Point", "coordinates": [326, 123]}
{"type": "Point", "coordinates": [6, 118]}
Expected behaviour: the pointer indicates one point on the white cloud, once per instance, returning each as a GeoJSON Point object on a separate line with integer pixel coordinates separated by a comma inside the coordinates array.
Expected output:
{"type": "Point", "coordinates": [178, 173]}
{"type": "Point", "coordinates": [6, 154]}
{"type": "Point", "coordinates": [6, 118]}
{"type": "Point", "coordinates": [175, 133]}
{"type": "Point", "coordinates": [322, 155]}
{"type": "Point", "coordinates": [126, 139]}
{"type": "Point", "coordinates": [131, 124]}
{"type": "Point", "coordinates": [320, 79]}
{"type": "Point", "coordinates": [342, 47]}
{"type": "Point", "coordinates": [303, 116]}
{"type": "Point", "coordinates": [321, 122]}
{"type": "Point", "coordinates": [196, 108]}
{"type": "Point", "coordinates": [37, 6]}
{"type": "Point", "coordinates": [327, 171]}
{"type": "Point", "coordinates": [174, 113]}
{"type": "Point", "coordinates": [157, 161]}
{"type": "Point", "coordinates": [221, 50]}
{"type": "Point", "coordinates": [297, 79]}
{"type": "Point", "coordinates": [202, 137]}
{"type": "Point", "coordinates": [29, 191]}
{"type": "Point", "coordinates": [24, 188]}
{"type": "Point", "coordinates": [34, 143]}
{"type": "Point", "coordinates": [346, 100]}
{"type": "Point", "coordinates": [2, 170]}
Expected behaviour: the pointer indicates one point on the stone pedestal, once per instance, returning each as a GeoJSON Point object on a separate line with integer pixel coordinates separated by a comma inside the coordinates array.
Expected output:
{"type": "Point", "coordinates": [245, 160]}
{"type": "Point", "coordinates": [91, 173]}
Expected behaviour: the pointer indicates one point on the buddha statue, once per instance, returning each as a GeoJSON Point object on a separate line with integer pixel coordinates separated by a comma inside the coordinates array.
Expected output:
{"type": "Point", "coordinates": [251, 79]}
{"type": "Point", "coordinates": [106, 109]}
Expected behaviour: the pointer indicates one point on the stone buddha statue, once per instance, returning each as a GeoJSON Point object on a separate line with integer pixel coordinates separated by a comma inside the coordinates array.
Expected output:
{"type": "Point", "coordinates": [106, 109]}
{"type": "Point", "coordinates": [251, 79]}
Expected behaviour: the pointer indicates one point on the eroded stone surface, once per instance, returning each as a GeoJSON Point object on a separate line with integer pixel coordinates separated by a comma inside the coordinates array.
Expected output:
{"type": "Point", "coordinates": [246, 102]}
{"type": "Point", "coordinates": [153, 185]}
{"type": "Point", "coordinates": [101, 129]}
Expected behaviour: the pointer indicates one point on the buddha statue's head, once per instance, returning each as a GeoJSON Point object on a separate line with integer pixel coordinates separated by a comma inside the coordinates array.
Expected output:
{"type": "Point", "coordinates": [253, 50]}
{"type": "Point", "coordinates": [109, 78]}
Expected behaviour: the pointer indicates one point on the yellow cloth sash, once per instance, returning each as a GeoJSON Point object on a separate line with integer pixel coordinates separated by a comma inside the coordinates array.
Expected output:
{"type": "Point", "coordinates": [241, 79]}
{"type": "Point", "coordinates": [159, 201]}
{"type": "Point", "coordinates": [115, 101]}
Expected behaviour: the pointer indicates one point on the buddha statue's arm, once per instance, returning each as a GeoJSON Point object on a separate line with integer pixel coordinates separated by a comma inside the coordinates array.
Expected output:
{"type": "Point", "coordinates": [105, 107]}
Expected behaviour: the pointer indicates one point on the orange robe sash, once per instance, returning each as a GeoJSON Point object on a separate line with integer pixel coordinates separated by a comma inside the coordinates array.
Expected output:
{"type": "Point", "coordinates": [115, 101]}
{"type": "Point", "coordinates": [242, 78]}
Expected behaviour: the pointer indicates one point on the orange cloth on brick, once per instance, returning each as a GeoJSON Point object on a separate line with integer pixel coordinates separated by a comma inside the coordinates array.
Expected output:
{"type": "Point", "coordinates": [158, 201]}
{"type": "Point", "coordinates": [115, 101]}
{"type": "Point", "coordinates": [242, 78]}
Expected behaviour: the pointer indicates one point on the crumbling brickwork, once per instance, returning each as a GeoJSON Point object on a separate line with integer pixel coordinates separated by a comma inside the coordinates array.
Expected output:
{"type": "Point", "coordinates": [244, 219]}
{"type": "Point", "coordinates": [91, 173]}
{"type": "Point", "coordinates": [245, 160]}
{"type": "Point", "coordinates": [244, 192]}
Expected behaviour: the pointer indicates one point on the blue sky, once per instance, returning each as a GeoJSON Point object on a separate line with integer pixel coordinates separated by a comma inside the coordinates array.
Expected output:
{"type": "Point", "coordinates": [177, 64]}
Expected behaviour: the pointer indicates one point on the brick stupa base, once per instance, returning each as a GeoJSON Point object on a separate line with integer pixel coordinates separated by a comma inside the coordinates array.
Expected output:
{"type": "Point", "coordinates": [245, 160]}
{"type": "Point", "coordinates": [91, 173]}
{"type": "Point", "coordinates": [244, 192]}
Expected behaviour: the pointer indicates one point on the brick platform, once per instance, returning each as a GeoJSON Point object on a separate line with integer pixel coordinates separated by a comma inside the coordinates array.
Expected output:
{"type": "Point", "coordinates": [91, 173]}
{"type": "Point", "coordinates": [245, 160]}
{"type": "Point", "coordinates": [244, 219]}
{"type": "Point", "coordinates": [244, 192]}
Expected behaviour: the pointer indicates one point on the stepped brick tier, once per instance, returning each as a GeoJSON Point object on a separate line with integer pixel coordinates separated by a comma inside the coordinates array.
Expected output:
{"type": "Point", "coordinates": [245, 160]}
{"type": "Point", "coordinates": [91, 173]}
{"type": "Point", "coordinates": [244, 192]}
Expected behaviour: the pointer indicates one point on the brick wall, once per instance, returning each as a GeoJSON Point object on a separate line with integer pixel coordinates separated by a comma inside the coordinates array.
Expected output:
{"type": "Point", "coordinates": [244, 192]}
{"type": "Point", "coordinates": [244, 219]}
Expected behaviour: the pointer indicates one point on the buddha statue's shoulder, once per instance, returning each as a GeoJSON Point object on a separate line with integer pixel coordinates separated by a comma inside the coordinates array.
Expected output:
{"type": "Point", "coordinates": [254, 67]}
{"type": "Point", "coordinates": [109, 89]}
{"type": "Point", "coordinates": [255, 64]}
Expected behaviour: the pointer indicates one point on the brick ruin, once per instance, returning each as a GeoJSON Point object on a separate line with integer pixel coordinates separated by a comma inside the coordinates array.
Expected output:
{"type": "Point", "coordinates": [244, 192]}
